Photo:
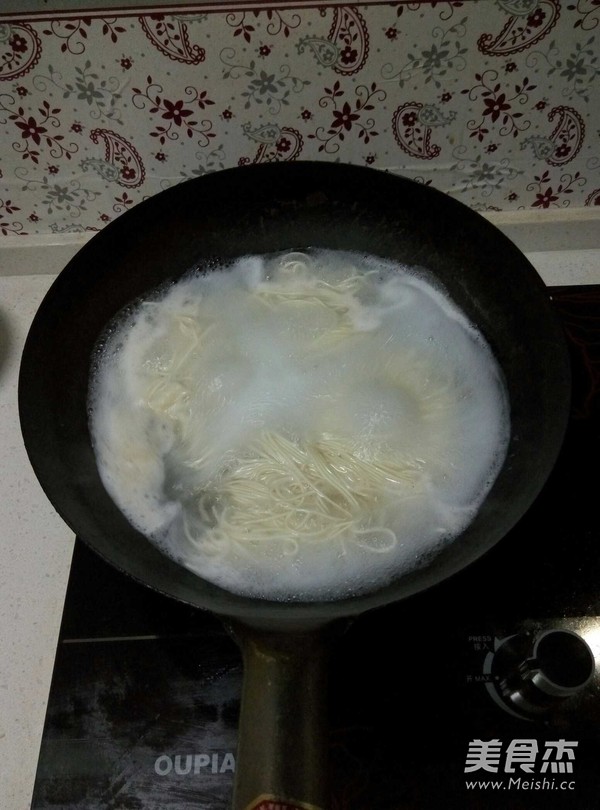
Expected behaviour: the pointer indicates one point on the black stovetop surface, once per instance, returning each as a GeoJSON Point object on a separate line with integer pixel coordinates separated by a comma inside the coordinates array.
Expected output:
{"type": "Point", "coordinates": [145, 693]}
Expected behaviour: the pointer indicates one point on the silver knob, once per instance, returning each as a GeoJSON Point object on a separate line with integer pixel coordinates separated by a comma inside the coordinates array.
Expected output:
{"type": "Point", "coordinates": [533, 677]}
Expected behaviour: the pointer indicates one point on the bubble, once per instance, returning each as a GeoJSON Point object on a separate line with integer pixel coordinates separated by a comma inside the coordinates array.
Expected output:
{"type": "Point", "coordinates": [386, 364]}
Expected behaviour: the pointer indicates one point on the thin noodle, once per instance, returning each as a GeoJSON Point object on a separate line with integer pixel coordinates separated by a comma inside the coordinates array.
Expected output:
{"type": "Point", "coordinates": [279, 489]}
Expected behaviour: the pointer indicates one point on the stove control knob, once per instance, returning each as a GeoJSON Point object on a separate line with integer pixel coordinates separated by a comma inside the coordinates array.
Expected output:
{"type": "Point", "coordinates": [532, 677]}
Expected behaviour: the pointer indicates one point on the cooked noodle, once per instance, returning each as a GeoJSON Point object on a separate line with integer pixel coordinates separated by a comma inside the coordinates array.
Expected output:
{"type": "Point", "coordinates": [301, 493]}
{"type": "Point", "coordinates": [327, 426]}
{"type": "Point", "coordinates": [290, 491]}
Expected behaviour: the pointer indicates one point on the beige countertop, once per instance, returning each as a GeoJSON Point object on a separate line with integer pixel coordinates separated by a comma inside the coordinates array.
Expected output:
{"type": "Point", "coordinates": [36, 546]}
{"type": "Point", "coordinates": [35, 554]}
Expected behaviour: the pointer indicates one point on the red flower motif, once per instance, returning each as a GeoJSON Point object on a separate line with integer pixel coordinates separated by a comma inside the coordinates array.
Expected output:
{"type": "Point", "coordinates": [306, 115]}
{"type": "Point", "coordinates": [536, 18]}
{"type": "Point", "coordinates": [512, 196]}
{"type": "Point", "coordinates": [563, 150]}
{"type": "Point", "coordinates": [33, 218]}
{"type": "Point", "coordinates": [445, 97]}
{"type": "Point", "coordinates": [126, 62]}
{"type": "Point", "coordinates": [104, 218]}
{"type": "Point", "coordinates": [76, 127]}
{"type": "Point", "coordinates": [348, 55]}
{"type": "Point", "coordinates": [344, 117]}
{"type": "Point", "coordinates": [127, 173]}
{"type": "Point", "coordinates": [541, 105]}
{"type": "Point", "coordinates": [264, 50]}
{"type": "Point", "coordinates": [22, 91]}
{"type": "Point", "coordinates": [17, 43]}
{"type": "Point", "coordinates": [496, 106]}
{"type": "Point", "coordinates": [370, 159]}
{"type": "Point", "coordinates": [283, 145]}
{"type": "Point", "coordinates": [30, 129]}
{"type": "Point", "coordinates": [510, 67]}
{"type": "Point", "coordinates": [161, 157]}
{"type": "Point", "coordinates": [53, 169]}
{"type": "Point", "coordinates": [227, 115]}
{"type": "Point", "coordinates": [409, 119]}
{"type": "Point", "coordinates": [175, 112]}
{"type": "Point", "coordinates": [391, 33]}
{"type": "Point", "coordinates": [491, 147]}
{"type": "Point", "coordinates": [545, 200]}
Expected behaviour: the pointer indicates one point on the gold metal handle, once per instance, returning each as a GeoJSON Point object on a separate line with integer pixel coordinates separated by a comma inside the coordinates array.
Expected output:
{"type": "Point", "coordinates": [282, 757]}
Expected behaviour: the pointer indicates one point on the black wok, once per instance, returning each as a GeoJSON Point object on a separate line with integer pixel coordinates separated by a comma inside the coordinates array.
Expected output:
{"type": "Point", "coordinates": [264, 209]}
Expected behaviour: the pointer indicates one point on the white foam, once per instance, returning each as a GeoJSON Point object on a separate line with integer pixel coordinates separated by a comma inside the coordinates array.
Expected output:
{"type": "Point", "coordinates": [411, 377]}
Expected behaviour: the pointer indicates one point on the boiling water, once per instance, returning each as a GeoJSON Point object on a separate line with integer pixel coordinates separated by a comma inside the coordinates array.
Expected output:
{"type": "Point", "coordinates": [298, 427]}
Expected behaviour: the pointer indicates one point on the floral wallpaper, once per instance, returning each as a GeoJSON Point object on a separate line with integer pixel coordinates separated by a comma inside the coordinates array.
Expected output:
{"type": "Point", "coordinates": [492, 101]}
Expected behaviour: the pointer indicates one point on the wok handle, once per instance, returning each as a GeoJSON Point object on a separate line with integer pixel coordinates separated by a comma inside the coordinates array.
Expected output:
{"type": "Point", "coordinates": [282, 755]}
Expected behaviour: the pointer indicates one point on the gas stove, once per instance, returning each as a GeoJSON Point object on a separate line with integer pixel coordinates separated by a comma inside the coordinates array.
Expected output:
{"type": "Point", "coordinates": [482, 692]}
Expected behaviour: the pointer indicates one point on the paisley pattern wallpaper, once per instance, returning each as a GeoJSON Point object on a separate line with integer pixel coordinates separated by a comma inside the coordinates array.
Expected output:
{"type": "Point", "coordinates": [492, 101]}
